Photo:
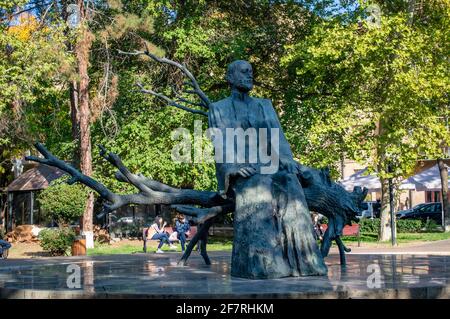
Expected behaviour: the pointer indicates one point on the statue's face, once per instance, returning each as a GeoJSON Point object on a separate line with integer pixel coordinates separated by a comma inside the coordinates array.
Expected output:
{"type": "Point", "coordinates": [242, 77]}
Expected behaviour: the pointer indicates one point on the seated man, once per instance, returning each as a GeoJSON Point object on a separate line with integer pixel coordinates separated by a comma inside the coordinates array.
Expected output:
{"type": "Point", "coordinates": [273, 233]}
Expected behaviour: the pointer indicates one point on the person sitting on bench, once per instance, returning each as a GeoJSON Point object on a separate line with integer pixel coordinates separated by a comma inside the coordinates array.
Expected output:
{"type": "Point", "coordinates": [157, 232]}
{"type": "Point", "coordinates": [4, 245]}
{"type": "Point", "coordinates": [182, 227]}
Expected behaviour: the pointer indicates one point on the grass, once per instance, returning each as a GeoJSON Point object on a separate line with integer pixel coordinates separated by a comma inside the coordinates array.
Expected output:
{"type": "Point", "coordinates": [105, 249]}
{"type": "Point", "coordinates": [225, 244]}
{"type": "Point", "coordinates": [401, 237]}
{"type": "Point", "coordinates": [132, 247]}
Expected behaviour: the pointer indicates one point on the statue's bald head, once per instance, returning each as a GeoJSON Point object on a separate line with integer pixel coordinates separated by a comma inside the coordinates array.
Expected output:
{"type": "Point", "coordinates": [240, 75]}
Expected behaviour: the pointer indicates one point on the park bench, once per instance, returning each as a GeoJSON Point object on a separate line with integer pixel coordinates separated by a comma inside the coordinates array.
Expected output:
{"type": "Point", "coordinates": [170, 230]}
{"type": "Point", "coordinates": [353, 230]}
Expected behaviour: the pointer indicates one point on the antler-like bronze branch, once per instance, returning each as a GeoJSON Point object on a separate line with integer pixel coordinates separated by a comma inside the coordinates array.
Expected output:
{"type": "Point", "coordinates": [201, 215]}
{"type": "Point", "coordinates": [196, 90]}
{"type": "Point", "coordinates": [150, 191]}
{"type": "Point", "coordinates": [171, 102]}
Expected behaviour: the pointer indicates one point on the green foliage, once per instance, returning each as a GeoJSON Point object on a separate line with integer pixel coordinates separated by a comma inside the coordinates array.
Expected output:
{"type": "Point", "coordinates": [368, 225]}
{"type": "Point", "coordinates": [409, 225]}
{"type": "Point", "coordinates": [34, 66]}
{"type": "Point", "coordinates": [57, 241]}
{"type": "Point", "coordinates": [403, 225]}
{"type": "Point", "coordinates": [342, 88]}
{"type": "Point", "coordinates": [62, 202]}
{"type": "Point", "coordinates": [370, 94]}
{"type": "Point", "coordinates": [430, 225]}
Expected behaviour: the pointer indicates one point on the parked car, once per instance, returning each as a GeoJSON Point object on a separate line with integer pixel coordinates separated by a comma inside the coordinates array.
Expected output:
{"type": "Point", "coordinates": [401, 213]}
{"type": "Point", "coordinates": [125, 220]}
{"type": "Point", "coordinates": [370, 210]}
{"type": "Point", "coordinates": [424, 212]}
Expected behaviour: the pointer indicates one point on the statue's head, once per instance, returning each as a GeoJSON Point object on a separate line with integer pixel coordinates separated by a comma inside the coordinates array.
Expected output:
{"type": "Point", "coordinates": [240, 75]}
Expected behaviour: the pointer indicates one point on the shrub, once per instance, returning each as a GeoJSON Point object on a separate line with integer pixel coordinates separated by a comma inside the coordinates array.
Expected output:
{"type": "Point", "coordinates": [403, 225]}
{"type": "Point", "coordinates": [368, 225]}
{"type": "Point", "coordinates": [62, 202]}
{"type": "Point", "coordinates": [57, 241]}
{"type": "Point", "coordinates": [409, 225]}
{"type": "Point", "coordinates": [430, 225]}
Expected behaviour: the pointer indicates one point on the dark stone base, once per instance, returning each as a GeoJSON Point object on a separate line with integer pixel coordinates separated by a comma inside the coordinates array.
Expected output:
{"type": "Point", "coordinates": [273, 232]}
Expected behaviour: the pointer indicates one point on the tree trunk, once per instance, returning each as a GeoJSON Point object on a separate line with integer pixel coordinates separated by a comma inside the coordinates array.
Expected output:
{"type": "Point", "coordinates": [82, 48]}
{"type": "Point", "coordinates": [443, 171]}
{"type": "Point", "coordinates": [385, 216]}
{"type": "Point", "coordinates": [75, 121]}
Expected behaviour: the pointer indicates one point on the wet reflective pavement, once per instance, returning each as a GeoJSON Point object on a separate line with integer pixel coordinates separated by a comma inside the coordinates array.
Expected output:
{"type": "Point", "coordinates": [158, 276]}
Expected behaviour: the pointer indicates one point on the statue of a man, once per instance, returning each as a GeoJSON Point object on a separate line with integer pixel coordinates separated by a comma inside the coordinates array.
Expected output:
{"type": "Point", "coordinates": [240, 110]}
{"type": "Point", "coordinates": [273, 233]}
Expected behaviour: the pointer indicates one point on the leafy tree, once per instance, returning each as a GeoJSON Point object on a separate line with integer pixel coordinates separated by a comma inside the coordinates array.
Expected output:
{"type": "Point", "coordinates": [374, 94]}
{"type": "Point", "coordinates": [32, 73]}
{"type": "Point", "coordinates": [62, 202]}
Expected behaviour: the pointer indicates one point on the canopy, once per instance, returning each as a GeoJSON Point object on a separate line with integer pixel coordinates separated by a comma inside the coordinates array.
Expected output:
{"type": "Point", "coordinates": [372, 182]}
{"type": "Point", "coordinates": [430, 179]}
{"type": "Point", "coordinates": [363, 179]}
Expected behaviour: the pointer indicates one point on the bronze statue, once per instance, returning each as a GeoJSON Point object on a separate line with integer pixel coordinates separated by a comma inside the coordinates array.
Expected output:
{"type": "Point", "coordinates": [273, 232]}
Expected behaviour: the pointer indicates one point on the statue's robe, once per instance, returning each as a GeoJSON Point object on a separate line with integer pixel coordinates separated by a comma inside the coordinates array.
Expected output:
{"type": "Point", "coordinates": [273, 231]}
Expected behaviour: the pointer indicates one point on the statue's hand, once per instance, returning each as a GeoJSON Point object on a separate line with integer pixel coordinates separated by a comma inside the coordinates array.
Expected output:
{"type": "Point", "coordinates": [290, 166]}
{"type": "Point", "coordinates": [246, 172]}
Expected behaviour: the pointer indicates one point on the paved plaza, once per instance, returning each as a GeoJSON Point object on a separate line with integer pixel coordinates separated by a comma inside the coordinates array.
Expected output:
{"type": "Point", "coordinates": [158, 276]}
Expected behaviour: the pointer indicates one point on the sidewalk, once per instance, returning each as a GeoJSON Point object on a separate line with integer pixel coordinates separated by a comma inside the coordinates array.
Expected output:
{"type": "Point", "coordinates": [441, 247]}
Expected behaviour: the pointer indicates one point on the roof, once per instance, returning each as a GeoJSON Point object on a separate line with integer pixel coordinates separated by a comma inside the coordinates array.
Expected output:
{"type": "Point", "coordinates": [36, 178]}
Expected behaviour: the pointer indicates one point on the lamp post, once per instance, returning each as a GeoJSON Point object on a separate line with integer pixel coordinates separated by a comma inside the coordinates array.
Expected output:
{"type": "Point", "coordinates": [391, 207]}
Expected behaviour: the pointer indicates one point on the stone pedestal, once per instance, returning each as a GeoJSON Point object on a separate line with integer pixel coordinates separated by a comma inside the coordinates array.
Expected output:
{"type": "Point", "coordinates": [273, 232]}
